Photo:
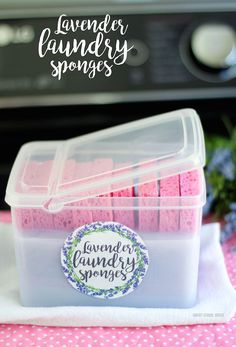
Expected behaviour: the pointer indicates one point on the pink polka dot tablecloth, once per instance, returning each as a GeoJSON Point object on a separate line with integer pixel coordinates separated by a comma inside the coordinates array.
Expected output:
{"type": "Point", "coordinates": [170, 336]}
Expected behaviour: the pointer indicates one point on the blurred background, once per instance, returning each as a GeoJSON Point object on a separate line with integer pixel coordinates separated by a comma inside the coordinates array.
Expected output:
{"type": "Point", "coordinates": [184, 55]}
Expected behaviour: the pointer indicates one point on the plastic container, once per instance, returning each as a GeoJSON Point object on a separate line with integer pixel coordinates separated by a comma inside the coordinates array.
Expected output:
{"type": "Point", "coordinates": [113, 217]}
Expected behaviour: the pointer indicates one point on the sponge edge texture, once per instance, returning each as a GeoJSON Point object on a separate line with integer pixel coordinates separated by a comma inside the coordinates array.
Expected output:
{"type": "Point", "coordinates": [36, 176]}
{"type": "Point", "coordinates": [148, 219]}
{"type": "Point", "coordinates": [29, 174]}
{"type": "Point", "coordinates": [84, 215]}
{"type": "Point", "coordinates": [23, 216]}
{"type": "Point", "coordinates": [103, 215]}
{"type": "Point", "coordinates": [24, 219]}
{"type": "Point", "coordinates": [190, 185]}
{"type": "Point", "coordinates": [169, 219]}
{"type": "Point", "coordinates": [41, 219]}
{"type": "Point", "coordinates": [124, 216]}
{"type": "Point", "coordinates": [63, 220]}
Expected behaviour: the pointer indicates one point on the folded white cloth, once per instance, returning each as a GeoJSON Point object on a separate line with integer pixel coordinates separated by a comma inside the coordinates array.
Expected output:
{"type": "Point", "coordinates": [216, 296]}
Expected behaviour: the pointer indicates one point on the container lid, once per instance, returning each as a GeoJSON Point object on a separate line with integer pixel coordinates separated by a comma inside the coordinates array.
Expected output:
{"type": "Point", "coordinates": [52, 174]}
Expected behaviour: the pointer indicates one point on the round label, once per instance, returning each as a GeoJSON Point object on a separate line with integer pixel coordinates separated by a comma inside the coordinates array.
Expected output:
{"type": "Point", "coordinates": [104, 259]}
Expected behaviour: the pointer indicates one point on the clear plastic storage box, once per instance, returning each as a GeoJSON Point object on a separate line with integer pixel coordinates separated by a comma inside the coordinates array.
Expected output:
{"type": "Point", "coordinates": [113, 217]}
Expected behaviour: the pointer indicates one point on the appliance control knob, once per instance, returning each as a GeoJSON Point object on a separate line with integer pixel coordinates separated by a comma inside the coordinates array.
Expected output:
{"type": "Point", "coordinates": [214, 45]}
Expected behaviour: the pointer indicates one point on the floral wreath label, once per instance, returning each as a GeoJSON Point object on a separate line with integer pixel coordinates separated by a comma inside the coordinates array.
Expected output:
{"type": "Point", "coordinates": [105, 260]}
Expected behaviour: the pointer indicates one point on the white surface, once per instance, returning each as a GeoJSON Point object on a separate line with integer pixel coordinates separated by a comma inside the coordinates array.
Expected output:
{"type": "Point", "coordinates": [216, 297]}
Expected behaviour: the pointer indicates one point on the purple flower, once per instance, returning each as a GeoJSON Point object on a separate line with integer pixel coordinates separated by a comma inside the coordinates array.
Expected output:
{"type": "Point", "coordinates": [222, 161]}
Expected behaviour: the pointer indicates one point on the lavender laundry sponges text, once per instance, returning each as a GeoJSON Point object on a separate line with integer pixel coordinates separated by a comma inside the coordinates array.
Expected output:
{"type": "Point", "coordinates": [69, 48]}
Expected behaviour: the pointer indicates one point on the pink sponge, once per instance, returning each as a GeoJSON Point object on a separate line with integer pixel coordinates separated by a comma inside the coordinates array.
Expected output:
{"type": "Point", "coordinates": [23, 216]}
{"type": "Point", "coordinates": [82, 216]}
{"type": "Point", "coordinates": [64, 220]}
{"type": "Point", "coordinates": [103, 215]}
{"type": "Point", "coordinates": [69, 172]}
{"type": "Point", "coordinates": [23, 219]}
{"type": "Point", "coordinates": [148, 219]}
{"type": "Point", "coordinates": [41, 219]}
{"type": "Point", "coordinates": [29, 175]}
{"type": "Point", "coordinates": [190, 185]}
{"type": "Point", "coordinates": [42, 176]}
{"type": "Point", "coordinates": [169, 219]}
{"type": "Point", "coordinates": [35, 176]}
{"type": "Point", "coordinates": [124, 216]}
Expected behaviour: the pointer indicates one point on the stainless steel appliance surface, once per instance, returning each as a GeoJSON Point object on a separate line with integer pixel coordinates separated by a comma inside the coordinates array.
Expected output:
{"type": "Point", "coordinates": [182, 50]}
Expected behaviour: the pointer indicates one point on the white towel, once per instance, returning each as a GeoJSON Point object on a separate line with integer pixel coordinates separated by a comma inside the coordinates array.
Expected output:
{"type": "Point", "coordinates": [216, 296]}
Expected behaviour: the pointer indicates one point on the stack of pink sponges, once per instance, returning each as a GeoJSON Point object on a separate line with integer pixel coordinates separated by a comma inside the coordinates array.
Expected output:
{"type": "Point", "coordinates": [117, 204]}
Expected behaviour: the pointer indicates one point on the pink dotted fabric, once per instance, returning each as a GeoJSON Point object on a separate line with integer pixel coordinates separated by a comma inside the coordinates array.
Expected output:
{"type": "Point", "coordinates": [210, 335]}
